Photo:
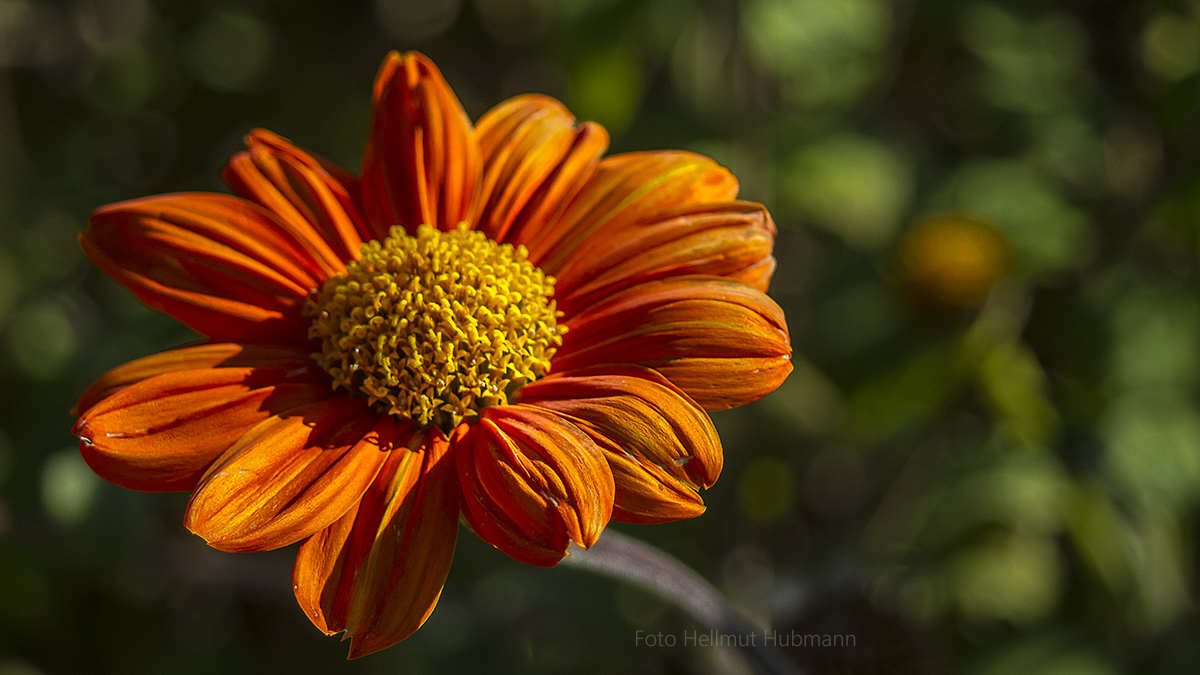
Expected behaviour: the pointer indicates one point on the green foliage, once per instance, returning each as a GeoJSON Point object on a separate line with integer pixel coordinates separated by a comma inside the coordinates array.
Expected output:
{"type": "Point", "coordinates": [1003, 489]}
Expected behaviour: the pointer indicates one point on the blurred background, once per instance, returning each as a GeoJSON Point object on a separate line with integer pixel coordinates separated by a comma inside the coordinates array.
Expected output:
{"type": "Point", "coordinates": [986, 461]}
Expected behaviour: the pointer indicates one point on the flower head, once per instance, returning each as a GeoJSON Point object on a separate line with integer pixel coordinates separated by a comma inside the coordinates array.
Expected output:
{"type": "Point", "coordinates": [494, 321]}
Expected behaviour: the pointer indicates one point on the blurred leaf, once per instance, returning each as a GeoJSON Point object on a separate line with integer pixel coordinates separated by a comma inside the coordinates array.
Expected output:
{"type": "Point", "coordinates": [1068, 147]}
{"type": "Point", "coordinates": [851, 185]}
{"type": "Point", "coordinates": [1156, 331]}
{"type": "Point", "coordinates": [607, 88]}
{"type": "Point", "coordinates": [1152, 437]}
{"type": "Point", "coordinates": [1015, 384]}
{"type": "Point", "coordinates": [700, 65]}
{"type": "Point", "coordinates": [825, 51]}
{"type": "Point", "coordinates": [1171, 45]}
{"type": "Point", "coordinates": [1012, 577]}
{"type": "Point", "coordinates": [1162, 568]}
{"type": "Point", "coordinates": [43, 339]}
{"type": "Point", "coordinates": [1035, 66]}
{"type": "Point", "coordinates": [1027, 492]}
{"type": "Point", "coordinates": [1047, 233]}
{"type": "Point", "coordinates": [1102, 535]}
{"type": "Point", "coordinates": [893, 400]}
{"type": "Point", "coordinates": [68, 486]}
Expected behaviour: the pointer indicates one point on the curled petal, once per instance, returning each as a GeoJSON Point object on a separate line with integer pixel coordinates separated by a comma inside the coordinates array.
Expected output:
{"type": "Point", "coordinates": [724, 239]}
{"type": "Point", "coordinates": [161, 433]}
{"type": "Point", "coordinates": [421, 164]}
{"type": "Point", "coordinates": [757, 275]}
{"type": "Point", "coordinates": [660, 445]}
{"type": "Point", "coordinates": [314, 205]}
{"type": "Point", "coordinates": [220, 264]}
{"type": "Point", "coordinates": [676, 325]}
{"type": "Point", "coordinates": [625, 190]}
{"type": "Point", "coordinates": [534, 160]}
{"type": "Point", "coordinates": [290, 476]}
{"type": "Point", "coordinates": [378, 571]}
{"type": "Point", "coordinates": [532, 482]}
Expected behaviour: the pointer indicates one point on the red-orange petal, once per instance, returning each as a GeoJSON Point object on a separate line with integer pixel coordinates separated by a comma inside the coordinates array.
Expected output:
{"type": "Point", "coordinates": [222, 265]}
{"type": "Point", "coordinates": [538, 218]}
{"type": "Point", "coordinates": [626, 190]}
{"type": "Point", "coordinates": [196, 357]}
{"type": "Point", "coordinates": [290, 476]}
{"type": "Point", "coordinates": [378, 571]}
{"type": "Point", "coordinates": [421, 163]}
{"type": "Point", "coordinates": [723, 239]}
{"type": "Point", "coordinates": [328, 562]}
{"type": "Point", "coordinates": [535, 158]}
{"type": "Point", "coordinates": [161, 433]}
{"type": "Point", "coordinates": [718, 383]}
{"type": "Point", "coordinates": [532, 482]}
{"type": "Point", "coordinates": [660, 445]}
{"type": "Point", "coordinates": [757, 275]}
{"type": "Point", "coordinates": [734, 331]}
{"type": "Point", "coordinates": [323, 573]}
{"type": "Point", "coordinates": [316, 207]}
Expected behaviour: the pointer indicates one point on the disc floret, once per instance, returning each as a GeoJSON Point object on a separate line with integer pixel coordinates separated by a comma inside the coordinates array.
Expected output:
{"type": "Point", "coordinates": [435, 327]}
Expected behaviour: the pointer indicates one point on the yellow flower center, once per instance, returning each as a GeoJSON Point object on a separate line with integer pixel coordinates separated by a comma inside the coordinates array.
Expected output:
{"type": "Point", "coordinates": [437, 326]}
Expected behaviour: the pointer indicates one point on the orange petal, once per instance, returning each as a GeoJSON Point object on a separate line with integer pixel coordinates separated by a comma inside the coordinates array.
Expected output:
{"type": "Point", "coordinates": [314, 206]}
{"type": "Point", "coordinates": [534, 160]}
{"type": "Point", "coordinates": [718, 383]}
{"type": "Point", "coordinates": [532, 482]}
{"type": "Point", "coordinates": [625, 191]}
{"type": "Point", "coordinates": [757, 275]}
{"type": "Point", "coordinates": [545, 207]}
{"type": "Point", "coordinates": [290, 476]}
{"type": "Point", "coordinates": [660, 445]}
{"type": "Point", "coordinates": [377, 572]}
{"type": "Point", "coordinates": [722, 239]}
{"type": "Point", "coordinates": [673, 325]}
{"type": "Point", "coordinates": [421, 164]}
{"type": "Point", "coordinates": [323, 574]}
{"type": "Point", "coordinates": [220, 264]}
{"type": "Point", "coordinates": [197, 357]}
{"type": "Point", "coordinates": [162, 433]}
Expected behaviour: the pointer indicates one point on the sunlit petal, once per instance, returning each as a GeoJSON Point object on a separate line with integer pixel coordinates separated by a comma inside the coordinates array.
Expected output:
{"type": "Point", "coordinates": [296, 186]}
{"type": "Point", "coordinates": [532, 482]}
{"type": "Point", "coordinates": [660, 445]}
{"type": "Point", "coordinates": [421, 164]}
{"type": "Point", "coordinates": [721, 341]}
{"type": "Point", "coordinates": [290, 476]}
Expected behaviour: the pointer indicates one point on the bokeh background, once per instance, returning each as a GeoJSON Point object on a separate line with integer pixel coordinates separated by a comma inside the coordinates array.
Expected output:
{"type": "Point", "coordinates": [986, 461]}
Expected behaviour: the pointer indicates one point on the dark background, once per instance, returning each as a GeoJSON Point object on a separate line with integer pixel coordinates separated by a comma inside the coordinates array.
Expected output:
{"type": "Point", "coordinates": [987, 460]}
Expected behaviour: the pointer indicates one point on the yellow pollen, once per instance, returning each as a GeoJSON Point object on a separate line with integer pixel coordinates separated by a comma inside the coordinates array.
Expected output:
{"type": "Point", "coordinates": [438, 326]}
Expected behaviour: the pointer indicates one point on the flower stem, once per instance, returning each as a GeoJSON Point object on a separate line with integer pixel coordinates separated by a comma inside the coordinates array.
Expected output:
{"type": "Point", "coordinates": [634, 561]}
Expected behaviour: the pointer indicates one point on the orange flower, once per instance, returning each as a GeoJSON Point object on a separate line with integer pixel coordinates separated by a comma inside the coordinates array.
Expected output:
{"type": "Point", "coordinates": [384, 354]}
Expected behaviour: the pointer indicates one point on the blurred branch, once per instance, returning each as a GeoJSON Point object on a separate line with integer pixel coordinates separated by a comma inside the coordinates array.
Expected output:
{"type": "Point", "coordinates": [628, 559]}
